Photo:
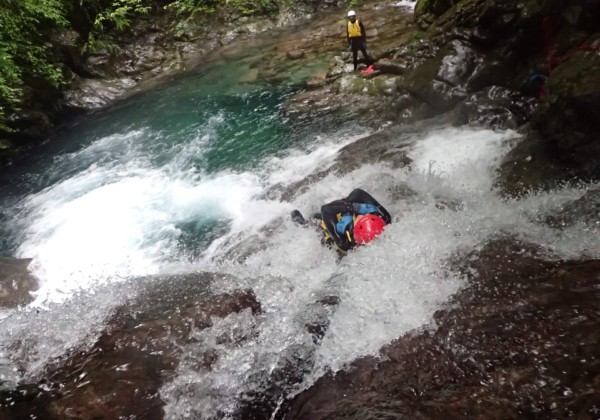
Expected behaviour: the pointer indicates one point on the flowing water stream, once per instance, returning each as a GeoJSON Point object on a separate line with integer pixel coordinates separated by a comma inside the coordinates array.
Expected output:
{"type": "Point", "coordinates": [171, 180]}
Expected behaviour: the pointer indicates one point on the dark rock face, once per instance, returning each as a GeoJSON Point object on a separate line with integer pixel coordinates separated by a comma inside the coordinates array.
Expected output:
{"type": "Point", "coordinates": [33, 125]}
{"type": "Point", "coordinates": [495, 107]}
{"type": "Point", "coordinates": [436, 7]}
{"type": "Point", "coordinates": [295, 362]}
{"type": "Point", "coordinates": [562, 143]}
{"type": "Point", "coordinates": [519, 342]}
{"type": "Point", "coordinates": [121, 374]}
{"type": "Point", "coordinates": [585, 210]}
{"type": "Point", "coordinates": [16, 282]}
{"type": "Point", "coordinates": [547, 50]}
{"type": "Point", "coordinates": [440, 82]}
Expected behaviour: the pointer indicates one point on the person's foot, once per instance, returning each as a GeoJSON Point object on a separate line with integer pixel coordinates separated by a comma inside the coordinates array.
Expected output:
{"type": "Point", "coordinates": [298, 218]}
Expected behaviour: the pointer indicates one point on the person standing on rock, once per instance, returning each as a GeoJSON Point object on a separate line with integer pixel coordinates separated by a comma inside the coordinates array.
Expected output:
{"type": "Point", "coordinates": [355, 34]}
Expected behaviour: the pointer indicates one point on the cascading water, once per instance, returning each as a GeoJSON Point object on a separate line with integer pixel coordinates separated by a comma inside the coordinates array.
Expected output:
{"type": "Point", "coordinates": [176, 188]}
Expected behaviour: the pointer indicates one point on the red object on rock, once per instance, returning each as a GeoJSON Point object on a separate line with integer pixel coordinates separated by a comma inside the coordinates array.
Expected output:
{"type": "Point", "coordinates": [368, 70]}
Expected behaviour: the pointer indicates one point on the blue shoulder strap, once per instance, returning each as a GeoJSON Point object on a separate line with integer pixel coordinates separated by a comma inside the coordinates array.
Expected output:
{"type": "Point", "coordinates": [343, 223]}
{"type": "Point", "coordinates": [364, 208]}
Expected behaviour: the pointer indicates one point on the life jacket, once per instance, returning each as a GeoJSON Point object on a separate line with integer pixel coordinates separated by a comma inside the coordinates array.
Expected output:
{"type": "Point", "coordinates": [341, 226]}
{"type": "Point", "coordinates": [345, 222]}
{"type": "Point", "coordinates": [354, 29]}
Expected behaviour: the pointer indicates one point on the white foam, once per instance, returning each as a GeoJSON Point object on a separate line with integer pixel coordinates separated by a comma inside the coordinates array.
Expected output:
{"type": "Point", "coordinates": [387, 288]}
{"type": "Point", "coordinates": [462, 156]}
{"type": "Point", "coordinates": [111, 222]}
{"type": "Point", "coordinates": [409, 4]}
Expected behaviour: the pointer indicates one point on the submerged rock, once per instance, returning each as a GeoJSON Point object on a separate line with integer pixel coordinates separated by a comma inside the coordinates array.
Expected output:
{"type": "Point", "coordinates": [495, 107]}
{"type": "Point", "coordinates": [16, 282]}
{"type": "Point", "coordinates": [584, 210]}
{"type": "Point", "coordinates": [293, 364]}
{"type": "Point", "coordinates": [519, 341]}
{"type": "Point", "coordinates": [121, 374]}
{"type": "Point", "coordinates": [386, 146]}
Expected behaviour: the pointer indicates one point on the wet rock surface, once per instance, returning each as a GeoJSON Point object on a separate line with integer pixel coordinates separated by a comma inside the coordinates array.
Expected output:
{"type": "Point", "coordinates": [561, 143]}
{"type": "Point", "coordinates": [386, 146]}
{"type": "Point", "coordinates": [495, 107]}
{"type": "Point", "coordinates": [16, 282]}
{"type": "Point", "coordinates": [520, 341]}
{"type": "Point", "coordinates": [121, 374]}
{"type": "Point", "coordinates": [295, 362]}
{"type": "Point", "coordinates": [584, 210]}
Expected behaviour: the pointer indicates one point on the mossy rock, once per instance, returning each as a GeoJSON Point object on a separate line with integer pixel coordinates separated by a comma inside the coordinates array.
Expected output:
{"type": "Point", "coordinates": [578, 76]}
{"type": "Point", "coordinates": [382, 86]}
{"type": "Point", "coordinates": [5, 145]}
{"type": "Point", "coordinates": [349, 84]}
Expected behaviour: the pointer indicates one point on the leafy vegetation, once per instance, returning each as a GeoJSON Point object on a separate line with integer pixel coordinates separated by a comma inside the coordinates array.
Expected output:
{"type": "Point", "coordinates": [118, 14]}
{"type": "Point", "coordinates": [24, 51]}
{"type": "Point", "coordinates": [27, 27]}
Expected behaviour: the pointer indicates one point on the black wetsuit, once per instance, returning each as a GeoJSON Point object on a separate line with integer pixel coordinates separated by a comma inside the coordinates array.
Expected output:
{"type": "Point", "coordinates": [338, 217]}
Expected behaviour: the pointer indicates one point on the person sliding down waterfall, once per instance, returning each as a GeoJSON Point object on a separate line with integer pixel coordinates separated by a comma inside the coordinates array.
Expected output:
{"type": "Point", "coordinates": [352, 221]}
{"type": "Point", "coordinates": [355, 35]}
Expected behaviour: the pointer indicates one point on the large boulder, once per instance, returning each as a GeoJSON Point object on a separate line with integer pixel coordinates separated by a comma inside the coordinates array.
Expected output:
{"type": "Point", "coordinates": [440, 82]}
{"type": "Point", "coordinates": [90, 94]}
{"type": "Point", "coordinates": [515, 343]}
{"type": "Point", "coordinates": [121, 374]}
{"type": "Point", "coordinates": [495, 107]}
{"type": "Point", "coordinates": [562, 143]}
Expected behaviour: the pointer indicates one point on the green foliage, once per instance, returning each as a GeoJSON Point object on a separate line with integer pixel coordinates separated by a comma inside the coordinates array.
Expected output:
{"type": "Point", "coordinates": [188, 10]}
{"type": "Point", "coordinates": [24, 52]}
{"type": "Point", "coordinates": [191, 10]}
{"type": "Point", "coordinates": [117, 14]}
{"type": "Point", "coordinates": [26, 27]}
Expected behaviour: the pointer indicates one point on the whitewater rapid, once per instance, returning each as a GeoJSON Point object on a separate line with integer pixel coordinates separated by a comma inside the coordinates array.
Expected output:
{"type": "Point", "coordinates": [94, 235]}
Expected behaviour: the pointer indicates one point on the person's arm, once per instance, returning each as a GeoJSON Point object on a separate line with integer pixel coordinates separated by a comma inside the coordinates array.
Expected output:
{"type": "Point", "coordinates": [347, 35]}
{"type": "Point", "coordinates": [363, 33]}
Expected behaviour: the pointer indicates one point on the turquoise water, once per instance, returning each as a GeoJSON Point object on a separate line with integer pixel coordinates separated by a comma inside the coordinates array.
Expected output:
{"type": "Point", "coordinates": [193, 128]}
